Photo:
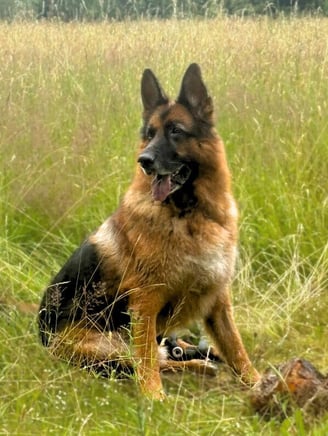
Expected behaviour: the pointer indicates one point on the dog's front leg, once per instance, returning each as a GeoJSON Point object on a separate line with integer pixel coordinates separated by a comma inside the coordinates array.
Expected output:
{"type": "Point", "coordinates": [145, 306]}
{"type": "Point", "coordinates": [221, 326]}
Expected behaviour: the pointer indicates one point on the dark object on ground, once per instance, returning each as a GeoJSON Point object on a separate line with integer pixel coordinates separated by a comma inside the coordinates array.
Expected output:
{"type": "Point", "coordinates": [180, 349]}
{"type": "Point", "coordinates": [176, 350]}
{"type": "Point", "coordinates": [296, 383]}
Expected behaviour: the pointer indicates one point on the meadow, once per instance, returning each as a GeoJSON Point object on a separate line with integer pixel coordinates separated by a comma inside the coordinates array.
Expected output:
{"type": "Point", "coordinates": [69, 126]}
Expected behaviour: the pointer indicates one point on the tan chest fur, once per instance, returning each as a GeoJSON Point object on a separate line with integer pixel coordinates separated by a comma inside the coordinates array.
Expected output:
{"type": "Point", "coordinates": [152, 246]}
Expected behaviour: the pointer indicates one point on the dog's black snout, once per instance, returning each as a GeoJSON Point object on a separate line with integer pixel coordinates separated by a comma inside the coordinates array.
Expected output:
{"type": "Point", "coordinates": [146, 161]}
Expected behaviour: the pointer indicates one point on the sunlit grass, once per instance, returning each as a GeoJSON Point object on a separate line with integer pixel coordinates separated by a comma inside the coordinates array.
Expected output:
{"type": "Point", "coordinates": [70, 117]}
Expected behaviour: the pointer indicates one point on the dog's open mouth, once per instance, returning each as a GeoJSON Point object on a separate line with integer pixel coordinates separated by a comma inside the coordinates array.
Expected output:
{"type": "Point", "coordinates": [165, 184]}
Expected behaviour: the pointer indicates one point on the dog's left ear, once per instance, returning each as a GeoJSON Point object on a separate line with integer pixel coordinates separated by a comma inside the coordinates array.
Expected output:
{"type": "Point", "coordinates": [193, 94]}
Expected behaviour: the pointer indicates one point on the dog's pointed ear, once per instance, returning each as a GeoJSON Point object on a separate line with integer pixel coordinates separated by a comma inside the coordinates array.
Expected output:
{"type": "Point", "coordinates": [193, 94]}
{"type": "Point", "coordinates": [152, 93]}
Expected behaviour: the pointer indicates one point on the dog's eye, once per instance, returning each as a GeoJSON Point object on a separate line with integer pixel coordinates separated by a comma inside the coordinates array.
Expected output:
{"type": "Point", "coordinates": [150, 133]}
{"type": "Point", "coordinates": [175, 131]}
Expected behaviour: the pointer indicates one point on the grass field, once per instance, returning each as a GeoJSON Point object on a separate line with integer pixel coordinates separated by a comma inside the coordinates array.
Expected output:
{"type": "Point", "coordinates": [70, 117]}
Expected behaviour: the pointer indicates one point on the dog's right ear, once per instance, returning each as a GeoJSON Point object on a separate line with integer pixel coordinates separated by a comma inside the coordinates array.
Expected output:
{"type": "Point", "coordinates": [151, 92]}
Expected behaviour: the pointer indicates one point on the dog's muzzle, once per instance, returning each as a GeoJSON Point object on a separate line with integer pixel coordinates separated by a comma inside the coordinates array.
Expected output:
{"type": "Point", "coordinates": [165, 181]}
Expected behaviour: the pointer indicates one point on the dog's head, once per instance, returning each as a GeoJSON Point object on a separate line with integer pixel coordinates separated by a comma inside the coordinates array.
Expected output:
{"type": "Point", "coordinates": [173, 132]}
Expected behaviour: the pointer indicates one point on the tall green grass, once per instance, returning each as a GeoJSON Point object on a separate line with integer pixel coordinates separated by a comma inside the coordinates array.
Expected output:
{"type": "Point", "coordinates": [70, 116]}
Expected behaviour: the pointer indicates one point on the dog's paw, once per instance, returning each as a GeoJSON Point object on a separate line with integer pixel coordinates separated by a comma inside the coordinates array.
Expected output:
{"type": "Point", "coordinates": [250, 377]}
{"type": "Point", "coordinates": [155, 395]}
{"type": "Point", "coordinates": [159, 395]}
{"type": "Point", "coordinates": [152, 388]}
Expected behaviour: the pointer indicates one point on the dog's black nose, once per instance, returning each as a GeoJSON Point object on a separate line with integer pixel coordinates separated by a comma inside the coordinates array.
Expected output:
{"type": "Point", "coordinates": [146, 161]}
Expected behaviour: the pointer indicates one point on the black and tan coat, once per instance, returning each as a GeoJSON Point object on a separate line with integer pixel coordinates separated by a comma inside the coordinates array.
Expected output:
{"type": "Point", "coordinates": [164, 259]}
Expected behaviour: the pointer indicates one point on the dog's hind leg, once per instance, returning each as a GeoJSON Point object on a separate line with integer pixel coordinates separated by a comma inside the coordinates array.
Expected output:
{"type": "Point", "coordinates": [92, 348]}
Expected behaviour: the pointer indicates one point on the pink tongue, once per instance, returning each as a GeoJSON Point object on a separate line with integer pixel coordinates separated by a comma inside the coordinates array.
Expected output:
{"type": "Point", "coordinates": [161, 188]}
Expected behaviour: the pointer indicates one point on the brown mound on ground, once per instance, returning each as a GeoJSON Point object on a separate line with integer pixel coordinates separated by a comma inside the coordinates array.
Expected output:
{"type": "Point", "coordinates": [295, 383]}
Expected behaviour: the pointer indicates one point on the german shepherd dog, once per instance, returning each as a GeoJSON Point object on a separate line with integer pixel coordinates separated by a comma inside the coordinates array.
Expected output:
{"type": "Point", "coordinates": [164, 259]}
